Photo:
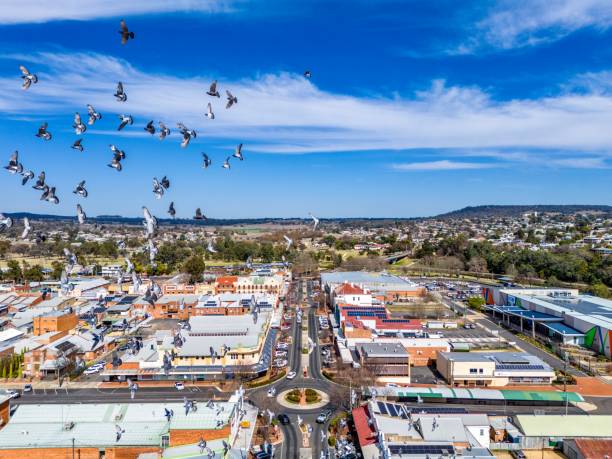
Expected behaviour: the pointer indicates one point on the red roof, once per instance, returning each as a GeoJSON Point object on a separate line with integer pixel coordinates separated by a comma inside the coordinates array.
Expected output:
{"type": "Point", "coordinates": [594, 448]}
{"type": "Point", "coordinates": [349, 289]}
{"type": "Point", "coordinates": [227, 280]}
{"type": "Point", "coordinates": [365, 432]}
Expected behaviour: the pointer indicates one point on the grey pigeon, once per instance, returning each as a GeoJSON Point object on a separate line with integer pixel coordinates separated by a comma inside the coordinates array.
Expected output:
{"type": "Point", "coordinates": [226, 164]}
{"type": "Point", "coordinates": [150, 128]}
{"type": "Point", "coordinates": [78, 125]}
{"type": "Point", "coordinates": [77, 145]}
{"type": "Point", "coordinates": [93, 115]}
{"type": "Point", "coordinates": [198, 215]}
{"type": "Point", "coordinates": [49, 195]}
{"type": "Point", "coordinates": [27, 175]}
{"type": "Point", "coordinates": [207, 161]}
{"type": "Point", "coordinates": [231, 99]}
{"type": "Point", "coordinates": [158, 190]}
{"type": "Point", "coordinates": [308, 74]}
{"type": "Point", "coordinates": [120, 94]}
{"type": "Point", "coordinates": [125, 120]}
{"type": "Point", "coordinates": [43, 133]}
{"type": "Point", "coordinates": [80, 189]}
{"type": "Point", "coordinates": [40, 182]}
{"type": "Point", "coordinates": [28, 78]}
{"type": "Point", "coordinates": [171, 210]}
{"type": "Point", "coordinates": [188, 134]}
{"type": "Point", "coordinates": [14, 166]}
{"type": "Point", "coordinates": [213, 90]}
{"type": "Point", "coordinates": [209, 113]}
{"type": "Point", "coordinates": [163, 131]}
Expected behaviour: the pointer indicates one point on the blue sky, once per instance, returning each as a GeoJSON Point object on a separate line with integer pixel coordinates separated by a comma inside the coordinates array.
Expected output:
{"type": "Point", "coordinates": [414, 108]}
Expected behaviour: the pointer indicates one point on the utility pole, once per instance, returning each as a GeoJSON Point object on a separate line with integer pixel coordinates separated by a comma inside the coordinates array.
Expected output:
{"type": "Point", "coordinates": [72, 447]}
{"type": "Point", "coordinates": [565, 382]}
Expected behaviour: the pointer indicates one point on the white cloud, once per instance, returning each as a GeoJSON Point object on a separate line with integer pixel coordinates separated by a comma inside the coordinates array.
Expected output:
{"type": "Point", "coordinates": [519, 23]}
{"type": "Point", "coordinates": [442, 165]}
{"type": "Point", "coordinates": [36, 11]}
{"type": "Point", "coordinates": [580, 163]}
{"type": "Point", "coordinates": [285, 113]}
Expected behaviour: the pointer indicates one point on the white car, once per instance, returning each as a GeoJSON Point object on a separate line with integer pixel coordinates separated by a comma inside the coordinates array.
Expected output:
{"type": "Point", "coordinates": [179, 386]}
{"type": "Point", "coordinates": [280, 354]}
{"type": "Point", "coordinates": [291, 375]}
{"type": "Point", "coordinates": [92, 371]}
{"type": "Point", "coordinates": [13, 394]}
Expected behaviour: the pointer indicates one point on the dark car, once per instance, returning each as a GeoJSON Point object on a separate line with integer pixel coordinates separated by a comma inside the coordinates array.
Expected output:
{"type": "Point", "coordinates": [518, 454]}
{"type": "Point", "coordinates": [284, 419]}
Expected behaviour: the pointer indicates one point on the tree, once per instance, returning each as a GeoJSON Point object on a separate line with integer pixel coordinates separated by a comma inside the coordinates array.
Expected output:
{"type": "Point", "coordinates": [476, 302]}
{"type": "Point", "coordinates": [195, 267]}
{"type": "Point", "coordinates": [600, 290]}
{"type": "Point", "coordinates": [14, 271]}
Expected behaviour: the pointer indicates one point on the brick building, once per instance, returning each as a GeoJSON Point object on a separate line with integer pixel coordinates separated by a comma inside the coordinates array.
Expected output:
{"type": "Point", "coordinates": [55, 321]}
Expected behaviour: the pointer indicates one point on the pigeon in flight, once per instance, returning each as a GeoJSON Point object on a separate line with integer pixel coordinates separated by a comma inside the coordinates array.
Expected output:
{"type": "Point", "coordinates": [198, 215]}
{"type": "Point", "coordinates": [40, 237]}
{"type": "Point", "coordinates": [78, 125]}
{"type": "Point", "coordinates": [152, 252]}
{"type": "Point", "coordinates": [26, 228]}
{"type": "Point", "coordinates": [207, 161]}
{"type": "Point", "coordinates": [130, 265]}
{"type": "Point", "coordinates": [187, 134]}
{"type": "Point", "coordinates": [14, 166]}
{"type": "Point", "coordinates": [209, 113]}
{"type": "Point", "coordinates": [81, 216]}
{"type": "Point", "coordinates": [43, 133]}
{"type": "Point", "coordinates": [231, 99]}
{"type": "Point", "coordinates": [49, 195]}
{"type": "Point", "coordinates": [210, 247]}
{"type": "Point", "coordinates": [27, 175]}
{"type": "Point", "coordinates": [171, 210]}
{"type": "Point", "coordinates": [308, 74]}
{"type": "Point", "coordinates": [120, 95]}
{"type": "Point", "coordinates": [125, 120]}
{"type": "Point", "coordinates": [213, 90]}
{"type": "Point", "coordinates": [158, 189]}
{"type": "Point", "coordinates": [165, 182]}
{"type": "Point", "coordinates": [118, 155]}
{"type": "Point", "coordinates": [238, 152]}
{"type": "Point", "coordinates": [77, 145]}
{"type": "Point", "coordinates": [80, 189]}
{"type": "Point", "coordinates": [40, 182]}
{"type": "Point", "coordinates": [163, 131]}
{"type": "Point", "coordinates": [226, 164]}
{"type": "Point", "coordinates": [93, 115]}
{"type": "Point", "coordinates": [5, 222]}
{"type": "Point", "coordinates": [125, 33]}
{"type": "Point", "coordinates": [120, 432]}
{"type": "Point", "coordinates": [289, 242]}
{"type": "Point", "coordinates": [28, 78]}
{"type": "Point", "coordinates": [150, 222]}
{"type": "Point", "coordinates": [150, 128]}
{"type": "Point", "coordinates": [315, 220]}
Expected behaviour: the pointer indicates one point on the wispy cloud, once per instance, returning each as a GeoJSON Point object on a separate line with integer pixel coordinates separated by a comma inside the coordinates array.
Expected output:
{"type": "Point", "coordinates": [36, 11]}
{"type": "Point", "coordinates": [522, 23]}
{"type": "Point", "coordinates": [285, 113]}
{"type": "Point", "coordinates": [442, 165]}
{"type": "Point", "coordinates": [580, 163]}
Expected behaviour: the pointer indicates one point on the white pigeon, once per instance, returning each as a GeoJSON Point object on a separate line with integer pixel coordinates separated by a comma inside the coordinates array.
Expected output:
{"type": "Point", "coordinates": [150, 222]}
{"type": "Point", "coordinates": [5, 222]}
{"type": "Point", "coordinates": [26, 228]}
{"type": "Point", "coordinates": [81, 216]}
{"type": "Point", "coordinates": [78, 125]}
{"type": "Point", "coordinates": [210, 247]}
{"type": "Point", "coordinates": [315, 220]}
{"type": "Point", "coordinates": [289, 241]}
{"type": "Point", "coordinates": [28, 78]}
{"type": "Point", "coordinates": [93, 115]}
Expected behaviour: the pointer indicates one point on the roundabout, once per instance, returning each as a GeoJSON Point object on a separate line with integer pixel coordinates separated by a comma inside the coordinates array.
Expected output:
{"type": "Point", "coordinates": [304, 399]}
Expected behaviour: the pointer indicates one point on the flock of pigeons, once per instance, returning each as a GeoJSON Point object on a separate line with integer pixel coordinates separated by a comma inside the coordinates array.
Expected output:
{"type": "Point", "coordinates": [160, 186]}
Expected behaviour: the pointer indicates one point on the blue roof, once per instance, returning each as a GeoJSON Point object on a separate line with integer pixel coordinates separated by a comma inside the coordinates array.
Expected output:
{"type": "Point", "coordinates": [563, 329]}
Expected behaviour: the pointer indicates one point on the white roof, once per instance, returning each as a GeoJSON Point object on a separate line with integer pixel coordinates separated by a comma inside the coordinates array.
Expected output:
{"type": "Point", "coordinates": [10, 333]}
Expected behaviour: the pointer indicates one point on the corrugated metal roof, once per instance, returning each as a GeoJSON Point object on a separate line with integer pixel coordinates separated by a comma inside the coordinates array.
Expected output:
{"type": "Point", "coordinates": [565, 426]}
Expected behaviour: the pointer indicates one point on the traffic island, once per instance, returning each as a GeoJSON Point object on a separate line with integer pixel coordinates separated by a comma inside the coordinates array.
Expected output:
{"type": "Point", "coordinates": [303, 399]}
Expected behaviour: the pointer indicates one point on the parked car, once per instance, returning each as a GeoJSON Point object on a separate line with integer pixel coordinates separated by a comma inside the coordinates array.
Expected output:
{"type": "Point", "coordinates": [27, 388]}
{"type": "Point", "coordinates": [291, 375]}
{"type": "Point", "coordinates": [518, 454]}
{"type": "Point", "coordinates": [324, 416]}
{"type": "Point", "coordinates": [13, 394]}
{"type": "Point", "coordinates": [179, 386]}
{"type": "Point", "coordinates": [271, 392]}
{"type": "Point", "coordinates": [283, 419]}
{"type": "Point", "coordinates": [92, 371]}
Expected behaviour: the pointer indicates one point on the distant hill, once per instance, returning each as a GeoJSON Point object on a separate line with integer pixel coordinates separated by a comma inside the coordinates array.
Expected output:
{"type": "Point", "coordinates": [514, 211]}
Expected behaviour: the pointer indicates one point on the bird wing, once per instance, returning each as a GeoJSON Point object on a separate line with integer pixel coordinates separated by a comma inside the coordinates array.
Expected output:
{"type": "Point", "coordinates": [91, 110]}
{"type": "Point", "coordinates": [213, 87]}
{"type": "Point", "coordinates": [123, 26]}
{"type": "Point", "coordinates": [77, 118]}
{"type": "Point", "coordinates": [24, 70]}
{"type": "Point", "coordinates": [120, 88]}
